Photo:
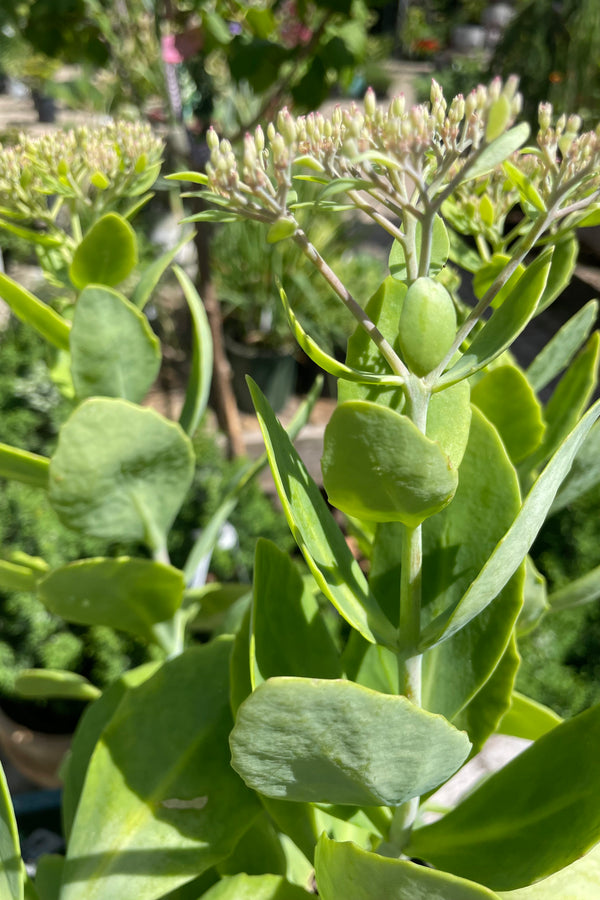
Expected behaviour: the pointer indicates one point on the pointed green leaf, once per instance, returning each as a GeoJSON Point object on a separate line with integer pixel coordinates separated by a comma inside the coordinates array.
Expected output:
{"type": "Point", "coordinates": [579, 881]}
{"type": "Point", "coordinates": [345, 871]}
{"type": "Point", "coordinates": [505, 324]}
{"type": "Point", "coordinates": [17, 578]}
{"type": "Point", "coordinates": [337, 742]}
{"type": "Point", "coordinates": [383, 309]}
{"type": "Point", "coordinates": [289, 635]}
{"type": "Point", "coordinates": [482, 714]}
{"type": "Point", "coordinates": [154, 272]}
{"type": "Point", "coordinates": [160, 803]}
{"type": "Point", "coordinates": [571, 396]}
{"type": "Point", "coordinates": [33, 237]}
{"type": "Point", "coordinates": [126, 593]}
{"type": "Point", "coordinates": [114, 352]}
{"type": "Point", "coordinates": [378, 466]}
{"type": "Point", "coordinates": [335, 570]}
{"type": "Point", "coordinates": [329, 363]}
{"type": "Point", "coordinates": [562, 347]}
{"type": "Point", "coordinates": [577, 593]}
{"type": "Point", "coordinates": [120, 471]}
{"type": "Point", "coordinates": [107, 253]}
{"type": "Point", "coordinates": [11, 867]}
{"type": "Point", "coordinates": [455, 552]}
{"type": "Point", "coordinates": [507, 401]}
{"type": "Point", "coordinates": [198, 388]}
{"type": "Point", "coordinates": [23, 466]}
{"type": "Point", "coordinates": [515, 544]}
{"type": "Point", "coordinates": [496, 152]}
{"type": "Point", "coordinates": [52, 327]}
{"type": "Point", "coordinates": [255, 887]}
{"type": "Point", "coordinates": [535, 599]}
{"type": "Point", "coordinates": [440, 250]}
{"type": "Point", "coordinates": [584, 474]}
{"type": "Point", "coordinates": [534, 816]}
{"type": "Point", "coordinates": [48, 876]}
{"type": "Point", "coordinates": [486, 274]}
{"type": "Point", "coordinates": [564, 258]}
{"type": "Point", "coordinates": [527, 190]}
{"type": "Point", "coordinates": [194, 177]}
{"type": "Point", "coordinates": [45, 683]}
{"type": "Point", "coordinates": [498, 118]}
{"type": "Point", "coordinates": [526, 718]}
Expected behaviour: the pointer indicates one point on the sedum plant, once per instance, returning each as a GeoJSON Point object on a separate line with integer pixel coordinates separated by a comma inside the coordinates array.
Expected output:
{"type": "Point", "coordinates": [299, 752]}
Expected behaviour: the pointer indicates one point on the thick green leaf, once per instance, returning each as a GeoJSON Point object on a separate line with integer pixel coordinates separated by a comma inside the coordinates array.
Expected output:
{"type": "Point", "coordinates": [535, 599]}
{"type": "Point", "coordinates": [329, 363]}
{"type": "Point", "coordinates": [345, 871]}
{"type": "Point", "coordinates": [21, 465]}
{"type": "Point", "coordinates": [527, 190]}
{"type": "Point", "coordinates": [255, 887]}
{"type": "Point", "coordinates": [515, 545]}
{"type": "Point", "coordinates": [48, 876]}
{"type": "Point", "coordinates": [335, 570]}
{"type": "Point", "coordinates": [120, 472]}
{"type": "Point", "coordinates": [45, 683]}
{"type": "Point", "coordinates": [52, 327]}
{"type": "Point", "coordinates": [198, 388]}
{"type": "Point", "coordinates": [383, 309]}
{"type": "Point", "coordinates": [160, 803]}
{"type": "Point", "coordinates": [126, 593]}
{"type": "Point", "coordinates": [114, 352]}
{"type": "Point", "coordinates": [528, 820]}
{"type": "Point", "coordinates": [87, 734]}
{"type": "Point", "coordinates": [456, 545]}
{"type": "Point", "coordinates": [526, 718]}
{"type": "Point", "coordinates": [561, 271]}
{"type": "Point", "coordinates": [570, 398]}
{"type": "Point", "coordinates": [17, 578]}
{"type": "Point", "coordinates": [258, 852]}
{"type": "Point", "coordinates": [577, 593]}
{"type": "Point", "coordinates": [561, 348]}
{"type": "Point", "coordinates": [32, 237]}
{"type": "Point", "coordinates": [579, 881]}
{"type": "Point", "coordinates": [481, 716]}
{"type": "Point", "coordinates": [449, 420]}
{"type": "Point", "coordinates": [378, 466]}
{"type": "Point", "coordinates": [507, 400]}
{"type": "Point", "coordinates": [485, 276]}
{"type": "Point", "coordinates": [440, 250]}
{"type": "Point", "coordinates": [154, 272]}
{"type": "Point", "coordinates": [496, 152]}
{"type": "Point", "coordinates": [584, 474]}
{"type": "Point", "coordinates": [193, 177]}
{"type": "Point", "coordinates": [107, 253]}
{"type": "Point", "coordinates": [289, 634]}
{"type": "Point", "coordinates": [11, 867]}
{"type": "Point", "coordinates": [505, 324]}
{"type": "Point", "coordinates": [326, 741]}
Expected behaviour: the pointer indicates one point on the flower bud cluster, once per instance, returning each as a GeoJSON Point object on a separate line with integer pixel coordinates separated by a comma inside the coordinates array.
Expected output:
{"type": "Point", "coordinates": [76, 165]}
{"type": "Point", "coordinates": [377, 143]}
{"type": "Point", "coordinates": [568, 156]}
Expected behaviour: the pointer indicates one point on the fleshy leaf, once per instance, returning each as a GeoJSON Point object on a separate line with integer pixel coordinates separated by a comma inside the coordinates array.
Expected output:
{"type": "Point", "coordinates": [11, 867]}
{"type": "Point", "coordinates": [526, 718]}
{"type": "Point", "coordinates": [496, 152]}
{"type": "Point", "coordinates": [52, 327]}
{"type": "Point", "coordinates": [579, 881]}
{"type": "Point", "coordinates": [528, 820]}
{"type": "Point", "coordinates": [582, 590]}
{"type": "Point", "coordinates": [335, 570]}
{"type": "Point", "coordinates": [255, 887]}
{"type": "Point", "coordinates": [154, 272]}
{"type": "Point", "coordinates": [506, 399]}
{"type": "Point", "coordinates": [345, 871]}
{"type": "Point", "coordinates": [106, 484]}
{"type": "Point", "coordinates": [562, 346]}
{"type": "Point", "coordinates": [185, 801]}
{"type": "Point", "coordinates": [326, 741]}
{"type": "Point", "coordinates": [45, 683]}
{"type": "Point", "coordinates": [378, 466]}
{"type": "Point", "coordinates": [21, 465]}
{"type": "Point", "coordinates": [198, 388]}
{"type": "Point", "coordinates": [114, 352]}
{"type": "Point", "coordinates": [564, 258]}
{"type": "Point", "coordinates": [107, 253]}
{"type": "Point", "coordinates": [127, 593]}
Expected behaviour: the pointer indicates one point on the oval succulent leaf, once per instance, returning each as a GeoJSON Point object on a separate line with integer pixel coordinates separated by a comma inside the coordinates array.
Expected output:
{"type": "Point", "coordinates": [427, 325]}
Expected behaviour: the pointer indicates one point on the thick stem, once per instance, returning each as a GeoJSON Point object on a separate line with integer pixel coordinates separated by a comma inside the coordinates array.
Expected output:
{"type": "Point", "coordinates": [409, 660]}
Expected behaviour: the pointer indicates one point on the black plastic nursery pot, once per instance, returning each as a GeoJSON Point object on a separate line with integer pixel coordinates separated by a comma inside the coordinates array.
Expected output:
{"type": "Point", "coordinates": [273, 370]}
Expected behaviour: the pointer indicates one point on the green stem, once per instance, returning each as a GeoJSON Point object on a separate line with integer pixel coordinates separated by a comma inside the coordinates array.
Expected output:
{"type": "Point", "coordinates": [409, 660]}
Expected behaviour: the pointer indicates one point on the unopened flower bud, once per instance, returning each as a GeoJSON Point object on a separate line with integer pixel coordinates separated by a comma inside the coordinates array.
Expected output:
{"type": "Point", "coordinates": [370, 103]}
{"type": "Point", "coordinates": [259, 139]}
{"type": "Point", "coordinates": [212, 139]}
{"type": "Point", "coordinates": [545, 116]}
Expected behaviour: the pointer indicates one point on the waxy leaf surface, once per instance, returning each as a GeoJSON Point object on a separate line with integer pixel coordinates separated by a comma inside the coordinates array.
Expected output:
{"type": "Point", "coordinates": [335, 570]}
{"type": "Point", "coordinates": [198, 388]}
{"type": "Point", "coordinates": [526, 718]}
{"type": "Point", "coordinates": [11, 867]}
{"type": "Point", "coordinates": [114, 352]}
{"type": "Point", "coordinates": [528, 820]}
{"type": "Point", "coordinates": [579, 881]}
{"type": "Point", "coordinates": [345, 871]}
{"type": "Point", "coordinates": [107, 253]}
{"type": "Point", "coordinates": [255, 887]}
{"type": "Point", "coordinates": [127, 593]}
{"type": "Point", "coordinates": [20, 465]}
{"type": "Point", "coordinates": [120, 471]}
{"type": "Point", "coordinates": [337, 742]}
{"type": "Point", "coordinates": [506, 399]}
{"type": "Point", "coordinates": [35, 313]}
{"type": "Point", "coordinates": [150, 821]}
{"type": "Point", "coordinates": [562, 347]}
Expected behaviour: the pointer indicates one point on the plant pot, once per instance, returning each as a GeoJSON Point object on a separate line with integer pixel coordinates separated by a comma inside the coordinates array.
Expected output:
{"type": "Point", "coordinates": [274, 371]}
{"type": "Point", "coordinates": [38, 756]}
{"type": "Point", "coordinates": [44, 106]}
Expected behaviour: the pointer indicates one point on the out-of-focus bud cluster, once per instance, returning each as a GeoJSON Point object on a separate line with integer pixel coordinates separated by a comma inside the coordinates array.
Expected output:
{"type": "Point", "coordinates": [84, 167]}
{"type": "Point", "coordinates": [567, 155]}
{"type": "Point", "coordinates": [481, 206]}
{"type": "Point", "coordinates": [379, 144]}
